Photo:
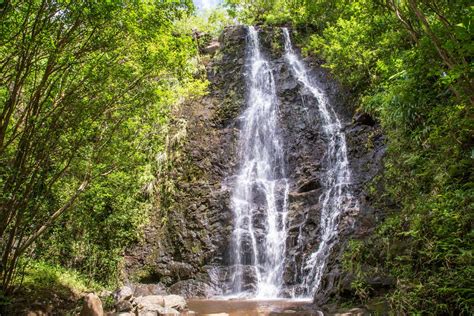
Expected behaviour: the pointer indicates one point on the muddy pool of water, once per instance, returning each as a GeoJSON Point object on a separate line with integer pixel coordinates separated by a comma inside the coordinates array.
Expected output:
{"type": "Point", "coordinates": [239, 307]}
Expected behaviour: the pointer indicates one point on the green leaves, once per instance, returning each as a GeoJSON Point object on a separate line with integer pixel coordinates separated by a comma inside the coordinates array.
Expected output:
{"type": "Point", "coordinates": [409, 64]}
{"type": "Point", "coordinates": [89, 88]}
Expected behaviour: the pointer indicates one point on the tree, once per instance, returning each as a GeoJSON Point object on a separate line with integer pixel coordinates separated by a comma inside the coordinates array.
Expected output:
{"type": "Point", "coordinates": [77, 80]}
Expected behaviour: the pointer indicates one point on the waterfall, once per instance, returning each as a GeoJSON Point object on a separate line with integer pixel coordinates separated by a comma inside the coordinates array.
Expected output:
{"type": "Point", "coordinates": [336, 197]}
{"type": "Point", "coordinates": [260, 191]}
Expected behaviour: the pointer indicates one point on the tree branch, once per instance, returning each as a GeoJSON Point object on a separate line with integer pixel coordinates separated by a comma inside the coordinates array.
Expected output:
{"type": "Point", "coordinates": [54, 216]}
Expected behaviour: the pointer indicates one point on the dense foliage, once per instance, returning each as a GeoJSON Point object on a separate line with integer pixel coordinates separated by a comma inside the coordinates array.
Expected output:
{"type": "Point", "coordinates": [86, 92]}
{"type": "Point", "coordinates": [409, 63]}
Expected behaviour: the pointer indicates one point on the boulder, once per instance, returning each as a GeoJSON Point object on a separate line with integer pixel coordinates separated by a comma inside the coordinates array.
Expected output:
{"type": "Point", "coordinates": [181, 270]}
{"type": "Point", "coordinates": [149, 289]}
{"type": "Point", "coordinates": [92, 306]}
{"type": "Point", "coordinates": [175, 301]}
{"type": "Point", "coordinates": [150, 299]}
{"type": "Point", "coordinates": [166, 311]}
{"type": "Point", "coordinates": [149, 309]}
{"type": "Point", "coordinates": [193, 288]}
{"type": "Point", "coordinates": [146, 313]}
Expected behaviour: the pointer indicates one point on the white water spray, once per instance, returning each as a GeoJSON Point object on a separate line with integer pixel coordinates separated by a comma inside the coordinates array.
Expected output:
{"type": "Point", "coordinates": [336, 197]}
{"type": "Point", "coordinates": [259, 196]}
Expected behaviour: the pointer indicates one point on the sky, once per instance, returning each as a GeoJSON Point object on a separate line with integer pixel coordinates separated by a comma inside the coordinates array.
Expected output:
{"type": "Point", "coordinates": [206, 4]}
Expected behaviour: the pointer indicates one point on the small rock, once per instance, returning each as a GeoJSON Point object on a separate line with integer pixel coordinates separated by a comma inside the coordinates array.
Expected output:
{"type": "Point", "coordinates": [123, 306]}
{"type": "Point", "coordinates": [124, 293]}
{"type": "Point", "coordinates": [92, 306]}
{"type": "Point", "coordinates": [36, 313]}
{"type": "Point", "coordinates": [211, 48]}
{"type": "Point", "coordinates": [105, 293]}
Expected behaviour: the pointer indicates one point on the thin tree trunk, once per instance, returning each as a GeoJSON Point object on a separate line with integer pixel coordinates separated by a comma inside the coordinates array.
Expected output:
{"type": "Point", "coordinates": [53, 217]}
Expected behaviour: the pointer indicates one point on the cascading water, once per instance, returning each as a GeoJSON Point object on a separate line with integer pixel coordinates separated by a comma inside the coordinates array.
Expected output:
{"type": "Point", "coordinates": [259, 195]}
{"type": "Point", "coordinates": [336, 197]}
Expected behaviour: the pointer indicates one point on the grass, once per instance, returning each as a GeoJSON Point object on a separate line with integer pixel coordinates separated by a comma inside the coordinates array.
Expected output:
{"type": "Point", "coordinates": [46, 287]}
{"type": "Point", "coordinates": [40, 274]}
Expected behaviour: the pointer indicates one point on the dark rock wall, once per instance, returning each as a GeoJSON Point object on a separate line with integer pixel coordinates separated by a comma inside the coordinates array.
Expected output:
{"type": "Point", "coordinates": [198, 223]}
{"type": "Point", "coordinates": [196, 237]}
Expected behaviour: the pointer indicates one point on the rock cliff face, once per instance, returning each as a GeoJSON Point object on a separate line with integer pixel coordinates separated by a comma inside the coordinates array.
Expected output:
{"type": "Point", "coordinates": [189, 252]}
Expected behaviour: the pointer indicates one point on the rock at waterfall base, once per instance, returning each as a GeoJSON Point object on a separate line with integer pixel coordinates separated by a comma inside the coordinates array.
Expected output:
{"type": "Point", "coordinates": [150, 299]}
{"type": "Point", "coordinates": [92, 306]}
{"type": "Point", "coordinates": [174, 301]}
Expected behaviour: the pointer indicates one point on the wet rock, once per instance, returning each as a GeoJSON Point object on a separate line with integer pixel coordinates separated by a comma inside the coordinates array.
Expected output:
{"type": "Point", "coordinates": [92, 306]}
{"type": "Point", "coordinates": [364, 119]}
{"type": "Point", "coordinates": [200, 229]}
{"type": "Point", "coordinates": [289, 84]}
{"type": "Point", "coordinates": [309, 185]}
{"type": "Point", "coordinates": [193, 288]}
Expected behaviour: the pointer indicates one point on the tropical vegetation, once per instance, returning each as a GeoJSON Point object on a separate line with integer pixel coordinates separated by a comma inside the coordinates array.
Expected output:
{"type": "Point", "coordinates": [88, 92]}
{"type": "Point", "coordinates": [409, 64]}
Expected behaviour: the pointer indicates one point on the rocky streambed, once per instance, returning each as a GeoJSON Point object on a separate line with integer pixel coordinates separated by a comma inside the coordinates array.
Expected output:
{"type": "Point", "coordinates": [137, 301]}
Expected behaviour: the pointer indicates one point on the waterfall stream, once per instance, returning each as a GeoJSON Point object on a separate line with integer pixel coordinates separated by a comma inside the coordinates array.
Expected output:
{"type": "Point", "coordinates": [259, 196]}
{"type": "Point", "coordinates": [336, 197]}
